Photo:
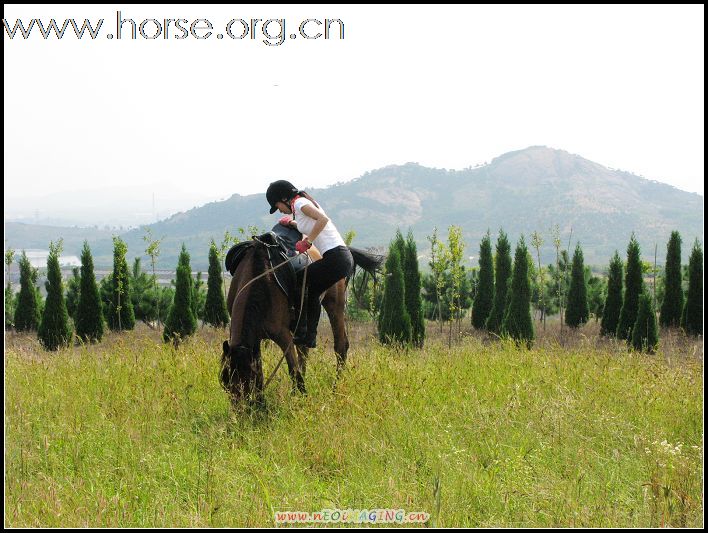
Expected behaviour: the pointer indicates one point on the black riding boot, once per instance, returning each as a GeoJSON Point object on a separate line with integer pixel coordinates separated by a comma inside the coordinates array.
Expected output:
{"type": "Point", "coordinates": [314, 308]}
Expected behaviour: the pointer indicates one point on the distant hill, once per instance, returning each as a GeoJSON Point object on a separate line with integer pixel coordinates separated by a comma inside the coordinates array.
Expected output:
{"type": "Point", "coordinates": [523, 191]}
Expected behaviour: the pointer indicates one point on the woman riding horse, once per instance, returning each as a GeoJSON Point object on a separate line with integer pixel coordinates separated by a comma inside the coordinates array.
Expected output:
{"type": "Point", "coordinates": [336, 263]}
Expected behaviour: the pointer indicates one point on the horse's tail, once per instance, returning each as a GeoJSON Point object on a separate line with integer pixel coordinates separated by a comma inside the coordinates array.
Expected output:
{"type": "Point", "coordinates": [369, 262]}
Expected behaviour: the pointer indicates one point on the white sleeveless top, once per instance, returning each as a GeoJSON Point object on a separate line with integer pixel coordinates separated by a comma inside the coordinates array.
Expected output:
{"type": "Point", "coordinates": [328, 238]}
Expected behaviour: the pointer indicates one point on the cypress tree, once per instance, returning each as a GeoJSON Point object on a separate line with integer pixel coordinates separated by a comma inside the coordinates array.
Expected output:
{"type": "Point", "coordinates": [73, 287]}
{"type": "Point", "coordinates": [89, 316]}
{"type": "Point", "coordinates": [613, 302]}
{"type": "Point", "coordinates": [121, 315]}
{"type": "Point", "coordinates": [215, 312]}
{"type": "Point", "coordinates": [578, 311]}
{"type": "Point", "coordinates": [692, 317]}
{"type": "Point", "coordinates": [502, 274]}
{"type": "Point", "coordinates": [27, 311]}
{"type": "Point", "coordinates": [394, 321]}
{"type": "Point", "coordinates": [414, 299]}
{"type": "Point", "coordinates": [181, 321]}
{"type": "Point", "coordinates": [482, 305]}
{"type": "Point", "coordinates": [518, 323]}
{"type": "Point", "coordinates": [645, 336]}
{"type": "Point", "coordinates": [633, 287]}
{"type": "Point", "coordinates": [54, 330]}
{"type": "Point", "coordinates": [672, 306]}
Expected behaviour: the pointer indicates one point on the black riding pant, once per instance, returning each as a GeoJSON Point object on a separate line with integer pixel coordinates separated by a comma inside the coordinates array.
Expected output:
{"type": "Point", "coordinates": [335, 264]}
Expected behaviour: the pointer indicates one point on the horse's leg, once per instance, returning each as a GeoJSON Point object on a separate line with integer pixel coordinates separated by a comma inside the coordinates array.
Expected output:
{"type": "Point", "coordinates": [333, 302]}
{"type": "Point", "coordinates": [258, 370]}
{"type": "Point", "coordinates": [284, 339]}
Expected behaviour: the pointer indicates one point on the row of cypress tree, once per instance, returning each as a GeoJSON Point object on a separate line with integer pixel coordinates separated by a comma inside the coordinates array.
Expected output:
{"type": "Point", "coordinates": [401, 318]}
{"type": "Point", "coordinates": [51, 318]}
{"type": "Point", "coordinates": [629, 312]}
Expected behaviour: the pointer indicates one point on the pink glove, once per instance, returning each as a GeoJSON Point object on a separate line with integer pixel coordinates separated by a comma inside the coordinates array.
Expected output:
{"type": "Point", "coordinates": [285, 220]}
{"type": "Point", "coordinates": [302, 246]}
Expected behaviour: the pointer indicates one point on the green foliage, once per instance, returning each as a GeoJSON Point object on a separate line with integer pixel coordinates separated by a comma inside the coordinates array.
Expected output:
{"type": "Point", "coordinates": [412, 284]}
{"type": "Point", "coordinates": [89, 314]}
{"type": "Point", "coordinates": [597, 292]}
{"type": "Point", "coordinates": [73, 287]}
{"type": "Point", "coordinates": [692, 317]}
{"type": "Point", "coordinates": [672, 302]}
{"type": "Point", "coordinates": [215, 312]}
{"type": "Point", "coordinates": [502, 273]}
{"type": "Point", "coordinates": [645, 334]}
{"type": "Point", "coordinates": [54, 331]}
{"type": "Point", "coordinates": [141, 292]}
{"type": "Point", "coordinates": [633, 288]}
{"type": "Point", "coordinates": [198, 297]}
{"type": "Point", "coordinates": [433, 311]}
{"type": "Point", "coordinates": [181, 321]}
{"type": "Point", "coordinates": [394, 323]}
{"type": "Point", "coordinates": [120, 313]}
{"type": "Point", "coordinates": [27, 313]}
{"type": "Point", "coordinates": [613, 302]}
{"type": "Point", "coordinates": [517, 322]}
{"type": "Point", "coordinates": [578, 311]}
{"type": "Point", "coordinates": [456, 248]}
{"type": "Point", "coordinates": [439, 260]}
{"type": "Point", "coordinates": [9, 307]}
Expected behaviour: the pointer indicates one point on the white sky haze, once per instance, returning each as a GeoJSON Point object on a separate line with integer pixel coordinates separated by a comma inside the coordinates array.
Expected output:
{"type": "Point", "coordinates": [443, 86]}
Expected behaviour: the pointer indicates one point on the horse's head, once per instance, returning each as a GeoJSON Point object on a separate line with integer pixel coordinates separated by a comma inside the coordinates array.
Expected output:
{"type": "Point", "coordinates": [241, 371]}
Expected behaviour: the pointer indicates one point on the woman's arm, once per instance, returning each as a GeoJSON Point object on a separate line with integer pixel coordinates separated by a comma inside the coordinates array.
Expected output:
{"type": "Point", "coordinates": [320, 220]}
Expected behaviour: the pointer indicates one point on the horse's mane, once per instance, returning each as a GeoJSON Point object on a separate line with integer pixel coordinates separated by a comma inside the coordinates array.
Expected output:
{"type": "Point", "coordinates": [257, 303]}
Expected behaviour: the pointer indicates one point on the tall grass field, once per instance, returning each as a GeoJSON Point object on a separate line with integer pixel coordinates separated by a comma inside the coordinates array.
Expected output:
{"type": "Point", "coordinates": [577, 431]}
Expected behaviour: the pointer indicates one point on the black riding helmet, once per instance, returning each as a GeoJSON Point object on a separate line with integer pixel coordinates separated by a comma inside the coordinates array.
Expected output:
{"type": "Point", "coordinates": [280, 191]}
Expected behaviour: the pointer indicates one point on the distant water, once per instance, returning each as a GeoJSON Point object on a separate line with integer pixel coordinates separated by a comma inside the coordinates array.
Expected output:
{"type": "Point", "coordinates": [38, 258]}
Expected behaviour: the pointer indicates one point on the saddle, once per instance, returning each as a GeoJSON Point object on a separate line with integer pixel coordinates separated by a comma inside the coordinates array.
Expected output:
{"type": "Point", "coordinates": [280, 244]}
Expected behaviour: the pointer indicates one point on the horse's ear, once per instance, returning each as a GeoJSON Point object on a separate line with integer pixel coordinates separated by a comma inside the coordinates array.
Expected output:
{"type": "Point", "coordinates": [226, 347]}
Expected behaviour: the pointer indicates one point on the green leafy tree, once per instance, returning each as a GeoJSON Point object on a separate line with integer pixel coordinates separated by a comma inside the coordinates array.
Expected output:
{"type": "Point", "coordinates": [73, 287]}
{"type": "Point", "coordinates": [537, 242]}
{"type": "Point", "coordinates": [54, 331]}
{"type": "Point", "coordinates": [484, 293]}
{"type": "Point", "coordinates": [633, 288]}
{"type": "Point", "coordinates": [152, 250]}
{"type": "Point", "coordinates": [27, 313]}
{"type": "Point", "coordinates": [141, 290]}
{"type": "Point", "coordinates": [181, 321]}
{"type": "Point", "coordinates": [89, 315]}
{"type": "Point", "coordinates": [456, 248]}
{"type": "Point", "coordinates": [517, 322]}
{"type": "Point", "coordinates": [645, 334]}
{"type": "Point", "coordinates": [692, 317]}
{"type": "Point", "coordinates": [578, 311]}
{"type": "Point", "coordinates": [613, 302]}
{"type": "Point", "coordinates": [502, 273]}
{"type": "Point", "coordinates": [596, 294]}
{"type": "Point", "coordinates": [9, 295]}
{"type": "Point", "coordinates": [672, 304]}
{"type": "Point", "coordinates": [412, 284]}
{"type": "Point", "coordinates": [198, 296]}
{"type": "Point", "coordinates": [394, 322]}
{"type": "Point", "coordinates": [439, 260]}
{"type": "Point", "coordinates": [215, 312]}
{"type": "Point", "coordinates": [120, 315]}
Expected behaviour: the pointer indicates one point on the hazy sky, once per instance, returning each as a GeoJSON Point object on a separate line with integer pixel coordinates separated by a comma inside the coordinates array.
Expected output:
{"type": "Point", "coordinates": [439, 85]}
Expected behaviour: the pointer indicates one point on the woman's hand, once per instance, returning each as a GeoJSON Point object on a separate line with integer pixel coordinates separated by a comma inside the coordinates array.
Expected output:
{"type": "Point", "coordinates": [285, 221]}
{"type": "Point", "coordinates": [302, 246]}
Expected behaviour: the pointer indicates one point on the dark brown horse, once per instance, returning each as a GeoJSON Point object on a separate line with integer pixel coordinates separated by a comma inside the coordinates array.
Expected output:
{"type": "Point", "coordinates": [260, 310]}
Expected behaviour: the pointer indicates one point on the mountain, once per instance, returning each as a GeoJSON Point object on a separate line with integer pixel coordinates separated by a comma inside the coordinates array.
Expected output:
{"type": "Point", "coordinates": [523, 191]}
